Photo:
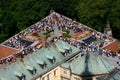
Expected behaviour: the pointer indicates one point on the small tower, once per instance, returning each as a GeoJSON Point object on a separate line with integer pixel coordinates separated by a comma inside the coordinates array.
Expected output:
{"type": "Point", "coordinates": [108, 30]}
{"type": "Point", "coordinates": [51, 10]}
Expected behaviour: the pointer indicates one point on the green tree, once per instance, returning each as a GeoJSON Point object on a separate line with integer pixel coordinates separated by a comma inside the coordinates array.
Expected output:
{"type": "Point", "coordinates": [114, 16]}
{"type": "Point", "coordinates": [95, 13]}
{"type": "Point", "coordinates": [16, 15]}
{"type": "Point", "coordinates": [66, 7]}
{"type": "Point", "coordinates": [9, 24]}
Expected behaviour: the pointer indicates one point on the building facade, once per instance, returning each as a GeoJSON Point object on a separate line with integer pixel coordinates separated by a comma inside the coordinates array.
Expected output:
{"type": "Point", "coordinates": [62, 73]}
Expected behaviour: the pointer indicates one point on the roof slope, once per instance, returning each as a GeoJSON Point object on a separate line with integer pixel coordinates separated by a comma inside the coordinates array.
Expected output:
{"type": "Point", "coordinates": [32, 61]}
{"type": "Point", "coordinates": [115, 75]}
{"type": "Point", "coordinates": [89, 64]}
{"type": "Point", "coordinates": [6, 51]}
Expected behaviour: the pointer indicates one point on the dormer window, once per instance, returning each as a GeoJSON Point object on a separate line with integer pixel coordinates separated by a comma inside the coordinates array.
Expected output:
{"type": "Point", "coordinates": [70, 50]}
{"type": "Point", "coordinates": [42, 64]}
{"type": "Point", "coordinates": [31, 69]}
{"type": "Point", "coordinates": [20, 75]}
{"type": "Point", "coordinates": [64, 54]}
{"type": "Point", "coordinates": [67, 51]}
{"type": "Point", "coordinates": [51, 58]}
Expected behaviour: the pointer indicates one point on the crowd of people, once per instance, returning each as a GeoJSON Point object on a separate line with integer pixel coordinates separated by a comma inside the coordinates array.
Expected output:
{"type": "Point", "coordinates": [49, 23]}
{"type": "Point", "coordinates": [18, 55]}
{"type": "Point", "coordinates": [17, 41]}
{"type": "Point", "coordinates": [84, 47]}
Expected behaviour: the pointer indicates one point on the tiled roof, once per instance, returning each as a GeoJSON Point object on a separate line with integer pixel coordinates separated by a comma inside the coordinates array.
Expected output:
{"type": "Point", "coordinates": [115, 75]}
{"type": "Point", "coordinates": [89, 64]}
{"type": "Point", "coordinates": [6, 51]}
{"type": "Point", "coordinates": [33, 61]}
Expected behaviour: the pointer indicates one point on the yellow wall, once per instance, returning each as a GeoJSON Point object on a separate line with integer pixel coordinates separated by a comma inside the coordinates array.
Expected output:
{"type": "Point", "coordinates": [38, 79]}
{"type": "Point", "coordinates": [51, 74]}
{"type": "Point", "coordinates": [62, 74]}
{"type": "Point", "coordinates": [75, 77]}
{"type": "Point", "coordinates": [65, 73]}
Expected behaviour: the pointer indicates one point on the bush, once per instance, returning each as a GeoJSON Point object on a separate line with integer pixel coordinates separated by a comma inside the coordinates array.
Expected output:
{"type": "Point", "coordinates": [47, 35]}
{"type": "Point", "coordinates": [48, 32]}
{"type": "Point", "coordinates": [67, 31]}
{"type": "Point", "coordinates": [66, 35]}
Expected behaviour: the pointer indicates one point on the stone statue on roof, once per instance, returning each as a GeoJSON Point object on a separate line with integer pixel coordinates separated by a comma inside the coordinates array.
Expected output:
{"type": "Point", "coordinates": [107, 29]}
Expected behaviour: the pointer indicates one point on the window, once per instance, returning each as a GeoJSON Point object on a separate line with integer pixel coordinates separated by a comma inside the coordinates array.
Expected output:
{"type": "Point", "coordinates": [52, 60]}
{"type": "Point", "coordinates": [89, 79]}
{"type": "Point", "coordinates": [48, 77]}
{"type": "Point", "coordinates": [32, 71]}
{"type": "Point", "coordinates": [38, 79]}
{"type": "Point", "coordinates": [75, 78]}
{"type": "Point", "coordinates": [65, 71]}
{"type": "Point", "coordinates": [20, 75]}
{"type": "Point", "coordinates": [43, 78]}
{"type": "Point", "coordinates": [64, 54]}
{"type": "Point", "coordinates": [55, 72]}
{"type": "Point", "coordinates": [71, 60]}
{"type": "Point", "coordinates": [64, 78]}
{"type": "Point", "coordinates": [44, 65]}
{"type": "Point", "coordinates": [77, 56]}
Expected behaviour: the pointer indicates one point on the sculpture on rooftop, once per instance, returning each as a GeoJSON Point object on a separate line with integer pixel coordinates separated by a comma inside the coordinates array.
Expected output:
{"type": "Point", "coordinates": [107, 29]}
